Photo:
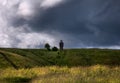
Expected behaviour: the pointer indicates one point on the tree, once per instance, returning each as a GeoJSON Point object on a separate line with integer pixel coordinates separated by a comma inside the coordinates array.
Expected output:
{"type": "Point", "coordinates": [47, 46]}
{"type": "Point", "coordinates": [54, 49]}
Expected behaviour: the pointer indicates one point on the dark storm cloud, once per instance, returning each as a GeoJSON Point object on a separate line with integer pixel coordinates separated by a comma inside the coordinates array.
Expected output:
{"type": "Point", "coordinates": [82, 22]}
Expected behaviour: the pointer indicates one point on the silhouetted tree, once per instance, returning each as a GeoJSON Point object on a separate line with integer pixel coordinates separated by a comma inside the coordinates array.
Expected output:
{"type": "Point", "coordinates": [47, 46]}
{"type": "Point", "coordinates": [54, 49]}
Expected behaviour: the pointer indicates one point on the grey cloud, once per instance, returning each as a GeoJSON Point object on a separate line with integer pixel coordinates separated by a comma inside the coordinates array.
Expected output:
{"type": "Point", "coordinates": [20, 35]}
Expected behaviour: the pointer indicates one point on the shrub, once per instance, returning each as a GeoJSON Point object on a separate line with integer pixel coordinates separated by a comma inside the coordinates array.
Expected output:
{"type": "Point", "coordinates": [54, 49]}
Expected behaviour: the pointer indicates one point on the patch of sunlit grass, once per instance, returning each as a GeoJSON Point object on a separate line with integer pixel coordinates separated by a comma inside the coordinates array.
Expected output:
{"type": "Point", "coordinates": [56, 74]}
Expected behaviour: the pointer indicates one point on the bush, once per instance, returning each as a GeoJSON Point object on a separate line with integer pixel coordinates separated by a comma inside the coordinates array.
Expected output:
{"type": "Point", "coordinates": [54, 49]}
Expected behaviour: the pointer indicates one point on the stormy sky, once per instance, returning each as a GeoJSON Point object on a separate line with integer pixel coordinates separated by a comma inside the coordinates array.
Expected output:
{"type": "Point", "coordinates": [79, 23]}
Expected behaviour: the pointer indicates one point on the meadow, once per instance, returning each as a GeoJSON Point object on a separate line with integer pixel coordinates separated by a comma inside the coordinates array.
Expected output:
{"type": "Point", "coordinates": [68, 66]}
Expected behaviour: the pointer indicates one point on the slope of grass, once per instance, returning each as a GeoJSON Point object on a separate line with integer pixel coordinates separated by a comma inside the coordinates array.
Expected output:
{"type": "Point", "coordinates": [16, 59]}
{"type": "Point", "coordinates": [70, 57]}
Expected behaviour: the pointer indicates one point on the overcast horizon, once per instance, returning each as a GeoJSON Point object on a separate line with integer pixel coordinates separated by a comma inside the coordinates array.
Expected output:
{"type": "Point", "coordinates": [79, 23]}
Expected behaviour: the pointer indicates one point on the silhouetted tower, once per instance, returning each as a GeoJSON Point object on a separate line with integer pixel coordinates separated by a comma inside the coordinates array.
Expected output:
{"type": "Point", "coordinates": [61, 45]}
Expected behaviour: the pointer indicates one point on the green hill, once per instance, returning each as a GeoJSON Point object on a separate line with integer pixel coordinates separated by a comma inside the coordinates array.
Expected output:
{"type": "Point", "coordinates": [68, 66]}
{"type": "Point", "coordinates": [28, 58]}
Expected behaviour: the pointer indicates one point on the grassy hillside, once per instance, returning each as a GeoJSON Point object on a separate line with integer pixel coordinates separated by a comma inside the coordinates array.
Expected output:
{"type": "Point", "coordinates": [27, 58]}
{"type": "Point", "coordinates": [68, 66]}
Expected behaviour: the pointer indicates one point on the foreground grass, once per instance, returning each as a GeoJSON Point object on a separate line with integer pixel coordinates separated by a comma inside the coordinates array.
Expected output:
{"type": "Point", "coordinates": [56, 74]}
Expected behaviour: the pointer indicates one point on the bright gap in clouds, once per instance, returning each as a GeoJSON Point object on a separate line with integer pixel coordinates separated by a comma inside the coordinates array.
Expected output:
{"type": "Point", "coordinates": [25, 9]}
{"type": "Point", "coordinates": [50, 3]}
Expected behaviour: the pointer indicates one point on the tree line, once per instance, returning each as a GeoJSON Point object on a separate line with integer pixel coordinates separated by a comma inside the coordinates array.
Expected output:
{"type": "Point", "coordinates": [48, 47]}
